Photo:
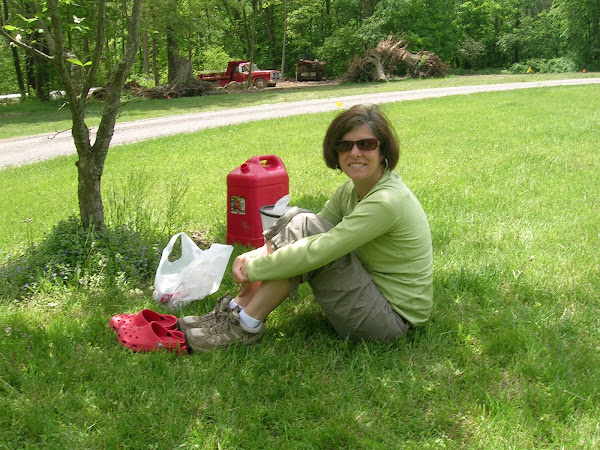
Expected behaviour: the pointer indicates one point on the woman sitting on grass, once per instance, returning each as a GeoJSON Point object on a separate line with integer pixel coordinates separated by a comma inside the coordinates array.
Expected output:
{"type": "Point", "coordinates": [367, 255]}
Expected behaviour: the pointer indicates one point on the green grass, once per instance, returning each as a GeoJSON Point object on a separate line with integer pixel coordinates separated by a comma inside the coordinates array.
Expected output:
{"type": "Point", "coordinates": [52, 117]}
{"type": "Point", "coordinates": [510, 358]}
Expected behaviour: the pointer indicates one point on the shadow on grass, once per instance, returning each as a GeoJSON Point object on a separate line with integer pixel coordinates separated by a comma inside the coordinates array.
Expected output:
{"type": "Point", "coordinates": [70, 256]}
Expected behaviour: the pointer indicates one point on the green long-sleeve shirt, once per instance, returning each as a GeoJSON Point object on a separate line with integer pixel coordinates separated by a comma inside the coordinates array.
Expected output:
{"type": "Point", "coordinates": [389, 232]}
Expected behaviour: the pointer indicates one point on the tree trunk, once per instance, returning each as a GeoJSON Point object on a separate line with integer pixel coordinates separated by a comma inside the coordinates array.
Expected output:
{"type": "Point", "coordinates": [91, 158]}
{"type": "Point", "coordinates": [91, 161]}
{"type": "Point", "coordinates": [172, 54]}
{"type": "Point", "coordinates": [41, 71]}
{"type": "Point", "coordinates": [268, 13]}
{"type": "Point", "coordinates": [366, 4]}
{"type": "Point", "coordinates": [108, 65]}
{"type": "Point", "coordinates": [15, 55]}
{"type": "Point", "coordinates": [411, 60]}
{"type": "Point", "coordinates": [284, 38]}
{"type": "Point", "coordinates": [155, 61]}
{"type": "Point", "coordinates": [89, 175]}
{"type": "Point", "coordinates": [42, 77]}
{"type": "Point", "coordinates": [19, 74]}
{"type": "Point", "coordinates": [184, 72]}
{"type": "Point", "coordinates": [254, 11]}
{"type": "Point", "coordinates": [145, 54]}
{"type": "Point", "coordinates": [378, 72]}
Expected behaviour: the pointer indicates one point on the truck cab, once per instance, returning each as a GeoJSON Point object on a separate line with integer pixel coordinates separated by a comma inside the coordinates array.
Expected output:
{"type": "Point", "coordinates": [239, 71]}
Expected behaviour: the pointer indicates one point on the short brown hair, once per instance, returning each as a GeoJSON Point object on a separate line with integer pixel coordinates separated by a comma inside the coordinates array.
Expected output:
{"type": "Point", "coordinates": [355, 117]}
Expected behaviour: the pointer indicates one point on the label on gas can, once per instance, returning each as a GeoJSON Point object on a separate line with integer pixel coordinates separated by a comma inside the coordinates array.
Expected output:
{"type": "Point", "coordinates": [238, 205]}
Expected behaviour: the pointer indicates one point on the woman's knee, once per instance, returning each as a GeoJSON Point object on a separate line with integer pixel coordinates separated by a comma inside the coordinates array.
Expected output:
{"type": "Point", "coordinates": [311, 222]}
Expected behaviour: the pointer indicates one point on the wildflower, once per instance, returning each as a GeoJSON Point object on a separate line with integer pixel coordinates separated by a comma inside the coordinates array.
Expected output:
{"type": "Point", "coordinates": [8, 330]}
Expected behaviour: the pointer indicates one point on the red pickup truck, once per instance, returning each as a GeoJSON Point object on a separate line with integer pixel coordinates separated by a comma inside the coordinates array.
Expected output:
{"type": "Point", "coordinates": [238, 71]}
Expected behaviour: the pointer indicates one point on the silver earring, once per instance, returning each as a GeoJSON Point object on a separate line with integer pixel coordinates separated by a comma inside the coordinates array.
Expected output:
{"type": "Point", "coordinates": [387, 164]}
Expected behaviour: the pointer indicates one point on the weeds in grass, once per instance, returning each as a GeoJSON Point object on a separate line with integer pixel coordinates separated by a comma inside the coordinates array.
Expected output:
{"type": "Point", "coordinates": [125, 253]}
{"type": "Point", "coordinates": [130, 204]}
{"type": "Point", "coordinates": [71, 257]}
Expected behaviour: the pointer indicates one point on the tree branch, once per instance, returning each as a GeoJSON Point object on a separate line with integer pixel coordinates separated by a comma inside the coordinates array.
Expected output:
{"type": "Point", "coordinates": [24, 46]}
{"type": "Point", "coordinates": [58, 50]}
{"type": "Point", "coordinates": [28, 48]}
{"type": "Point", "coordinates": [100, 22]}
{"type": "Point", "coordinates": [107, 122]}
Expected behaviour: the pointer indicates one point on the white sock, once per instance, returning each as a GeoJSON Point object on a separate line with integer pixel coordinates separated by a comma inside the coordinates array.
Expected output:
{"type": "Point", "coordinates": [233, 304]}
{"type": "Point", "coordinates": [250, 322]}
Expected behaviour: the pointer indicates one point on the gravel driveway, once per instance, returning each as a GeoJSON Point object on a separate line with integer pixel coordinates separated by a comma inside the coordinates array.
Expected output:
{"type": "Point", "coordinates": [25, 150]}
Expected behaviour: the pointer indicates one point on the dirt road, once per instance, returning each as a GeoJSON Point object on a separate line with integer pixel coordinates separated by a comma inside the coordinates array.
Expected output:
{"type": "Point", "coordinates": [25, 150]}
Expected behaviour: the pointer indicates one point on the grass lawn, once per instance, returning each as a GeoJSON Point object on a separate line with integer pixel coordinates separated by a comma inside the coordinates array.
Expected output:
{"type": "Point", "coordinates": [509, 359]}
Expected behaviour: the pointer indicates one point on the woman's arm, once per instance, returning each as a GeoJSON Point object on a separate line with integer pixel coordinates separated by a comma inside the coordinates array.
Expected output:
{"type": "Point", "coordinates": [240, 266]}
{"type": "Point", "coordinates": [370, 219]}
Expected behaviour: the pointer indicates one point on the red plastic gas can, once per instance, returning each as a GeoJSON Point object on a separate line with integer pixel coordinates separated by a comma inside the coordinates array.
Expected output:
{"type": "Point", "coordinates": [262, 180]}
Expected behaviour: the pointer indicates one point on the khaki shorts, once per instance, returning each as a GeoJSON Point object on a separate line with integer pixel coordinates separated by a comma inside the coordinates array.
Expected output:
{"type": "Point", "coordinates": [344, 289]}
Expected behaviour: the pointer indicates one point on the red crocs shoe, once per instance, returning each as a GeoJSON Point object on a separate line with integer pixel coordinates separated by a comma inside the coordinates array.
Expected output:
{"type": "Point", "coordinates": [144, 317]}
{"type": "Point", "coordinates": [150, 337]}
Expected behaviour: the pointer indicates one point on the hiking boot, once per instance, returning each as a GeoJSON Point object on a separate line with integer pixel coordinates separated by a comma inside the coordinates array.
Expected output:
{"type": "Point", "coordinates": [225, 333]}
{"type": "Point", "coordinates": [207, 320]}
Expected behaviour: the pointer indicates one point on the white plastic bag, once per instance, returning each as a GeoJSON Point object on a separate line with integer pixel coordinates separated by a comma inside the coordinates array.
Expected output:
{"type": "Point", "coordinates": [195, 275]}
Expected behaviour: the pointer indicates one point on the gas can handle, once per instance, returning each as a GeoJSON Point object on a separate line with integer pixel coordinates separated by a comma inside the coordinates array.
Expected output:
{"type": "Point", "coordinates": [270, 162]}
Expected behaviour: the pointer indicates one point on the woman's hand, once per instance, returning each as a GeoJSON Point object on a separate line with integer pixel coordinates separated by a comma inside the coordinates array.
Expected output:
{"type": "Point", "coordinates": [239, 270]}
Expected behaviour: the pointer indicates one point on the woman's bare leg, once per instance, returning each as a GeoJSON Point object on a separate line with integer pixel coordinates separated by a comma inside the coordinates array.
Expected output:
{"type": "Point", "coordinates": [269, 296]}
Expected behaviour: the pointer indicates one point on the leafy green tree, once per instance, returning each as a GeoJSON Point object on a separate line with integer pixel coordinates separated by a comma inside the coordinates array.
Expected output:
{"type": "Point", "coordinates": [473, 34]}
{"type": "Point", "coordinates": [581, 24]}
{"type": "Point", "coordinates": [77, 73]}
{"type": "Point", "coordinates": [484, 22]}
{"type": "Point", "coordinates": [309, 23]}
{"type": "Point", "coordinates": [423, 24]}
{"type": "Point", "coordinates": [533, 36]}
{"type": "Point", "coordinates": [340, 48]}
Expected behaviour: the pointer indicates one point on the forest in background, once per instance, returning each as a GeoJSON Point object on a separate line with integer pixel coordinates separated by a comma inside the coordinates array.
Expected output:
{"type": "Point", "coordinates": [473, 36]}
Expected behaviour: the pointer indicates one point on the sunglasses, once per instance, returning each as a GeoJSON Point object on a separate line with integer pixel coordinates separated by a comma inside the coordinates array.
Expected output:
{"type": "Point", "coordinates": [365, 145]}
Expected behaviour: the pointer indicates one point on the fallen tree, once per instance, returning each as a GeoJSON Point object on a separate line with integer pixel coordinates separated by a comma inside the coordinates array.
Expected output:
{"type": "Point", "coordinates": [184, 85]}
{"type": "Point", "coordinates": [388, 56]}
{"type": "Point", "coordinates": [191, 88]}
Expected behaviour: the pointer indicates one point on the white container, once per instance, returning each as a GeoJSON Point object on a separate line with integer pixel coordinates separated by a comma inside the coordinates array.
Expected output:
{"type": "Point", "coordinates": [270, 213]}
{"type": "Point", "coordinates": [268, 216]}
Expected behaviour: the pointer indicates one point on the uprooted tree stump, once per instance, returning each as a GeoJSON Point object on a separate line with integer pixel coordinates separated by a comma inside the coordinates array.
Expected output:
{"type": "Point", "coordinates": [387, 56]}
